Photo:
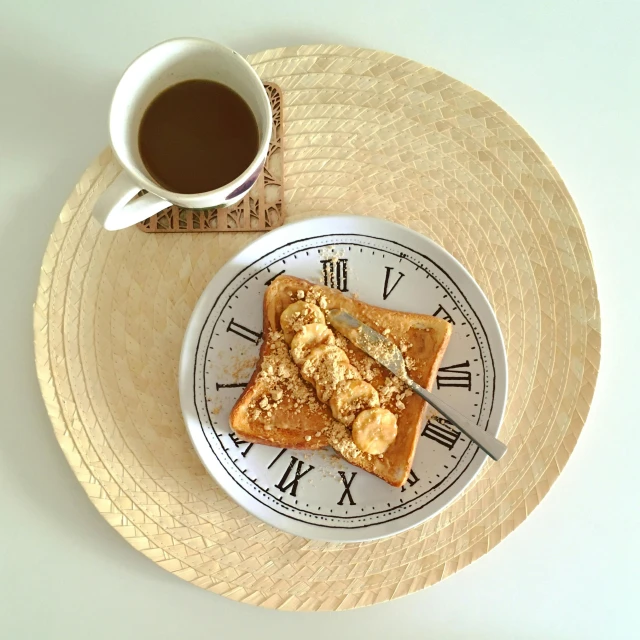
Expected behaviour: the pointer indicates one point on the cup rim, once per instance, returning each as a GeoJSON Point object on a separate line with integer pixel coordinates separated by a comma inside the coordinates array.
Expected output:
{"type": "Point", "coordinates": [223, 192]}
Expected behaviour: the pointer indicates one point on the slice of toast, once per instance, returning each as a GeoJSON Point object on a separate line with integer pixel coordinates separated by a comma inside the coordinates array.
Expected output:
{"type": "Point", "coordinates": [279, 408]}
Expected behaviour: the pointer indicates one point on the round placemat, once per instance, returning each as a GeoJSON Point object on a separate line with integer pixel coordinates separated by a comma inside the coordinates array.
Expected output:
{"type": "Point", "coordinates": [366, 133]}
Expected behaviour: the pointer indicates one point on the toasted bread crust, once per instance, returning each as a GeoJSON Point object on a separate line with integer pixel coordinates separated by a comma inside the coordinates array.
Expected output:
{"type": "Point", "coordinates": [427, 337]}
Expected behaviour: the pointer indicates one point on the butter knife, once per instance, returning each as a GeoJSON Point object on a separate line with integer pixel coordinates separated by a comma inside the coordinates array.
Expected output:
{"type": "Point", "coordinates": [385, 352]}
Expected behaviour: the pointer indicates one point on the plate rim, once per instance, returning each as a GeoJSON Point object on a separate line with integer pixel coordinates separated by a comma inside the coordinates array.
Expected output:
{"type": "Point", "coordinates": [189, 349]}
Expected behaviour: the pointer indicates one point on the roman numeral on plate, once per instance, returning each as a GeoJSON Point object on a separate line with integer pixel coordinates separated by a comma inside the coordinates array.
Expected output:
{"type": "Point", "coordinates": [233, 385]}
{"type": "Point", "coordinates": [442, 431]}
{"type": "Point", "coordinates": [243, 332]}
{"type": "Point", "coordinates": [276, 458]}
{"type": "Point", "coordinates": [334, 271]}
{"type": "Point", "coordinates": [239, 442]}
{"type": "Point", "coordinates": [347, 487]}
{"type": "Point", "coordinates": [298, 473]}
{"type": "Point", "coordinates": [455, 375]}
{"type": "Point", "coordinates": [386, 291]}
{"type": "Point", "coordinates": [441, 312]}
{"type": "Point", "coordinates": [411, 480]}
{"type": "Point", "coordinates": [272, 278]}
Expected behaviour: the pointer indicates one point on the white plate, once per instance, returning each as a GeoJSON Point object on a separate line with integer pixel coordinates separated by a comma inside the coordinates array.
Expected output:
{"type": "Point", "coordinates": [316, 494]}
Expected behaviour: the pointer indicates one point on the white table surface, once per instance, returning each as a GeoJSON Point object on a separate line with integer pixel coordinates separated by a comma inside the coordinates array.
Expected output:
{"type": "Point", "coordinates": [568, 71]}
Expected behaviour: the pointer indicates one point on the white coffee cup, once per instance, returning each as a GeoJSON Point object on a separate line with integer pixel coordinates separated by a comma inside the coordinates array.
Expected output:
{"type": "Point", "coordinates": [154, 71]}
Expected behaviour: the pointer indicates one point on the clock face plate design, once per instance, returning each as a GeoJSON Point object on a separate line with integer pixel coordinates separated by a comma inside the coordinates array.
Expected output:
{"type": "Point", "coordinates": [317, 494]}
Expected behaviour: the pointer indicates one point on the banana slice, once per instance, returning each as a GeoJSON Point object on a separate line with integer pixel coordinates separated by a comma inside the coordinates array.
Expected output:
{"type": "Point", "coordinates": [326, 367]}
{"type": "Point", "coordinates": [326, 386]}
{"type": "Point", "coordinates": [374, 430]}
{"type": "Point", "coordinates": [322, 361]}
{"type": "Point", "coordinates": [310, 336]}
{"type": "Point", "coordinates": [297, 315]}
{"type": "Point", "coordinates": [351, 397]}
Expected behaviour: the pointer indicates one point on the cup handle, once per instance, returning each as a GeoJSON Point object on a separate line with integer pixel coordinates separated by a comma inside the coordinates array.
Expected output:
{"type": "Point", "coordinates": [114, 209]}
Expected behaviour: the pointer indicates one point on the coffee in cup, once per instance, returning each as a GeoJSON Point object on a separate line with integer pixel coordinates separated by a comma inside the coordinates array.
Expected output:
{"type": "Point", "coordinates": [190, 123]}
{"type": "Point", "coordinates": [197, 136]}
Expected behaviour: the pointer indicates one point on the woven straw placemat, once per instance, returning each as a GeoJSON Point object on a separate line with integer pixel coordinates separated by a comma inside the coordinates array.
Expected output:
{"type": "Point", "coordinates": [365, 133]}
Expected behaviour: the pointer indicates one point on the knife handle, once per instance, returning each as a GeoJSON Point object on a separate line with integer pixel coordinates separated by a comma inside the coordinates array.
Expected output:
{"type": "Point", "coordinates": [488, 443]}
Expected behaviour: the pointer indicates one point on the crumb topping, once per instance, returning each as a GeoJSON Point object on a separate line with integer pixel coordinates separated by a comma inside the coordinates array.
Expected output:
{"type": "Point", "coordinates": [340, 439]}
{"type": "Point", "coordinates": [327, 366]}
{"type": "Point", "coordinates": [298, 314]}
{"type": "Point", "coordinates": [280, 377]}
